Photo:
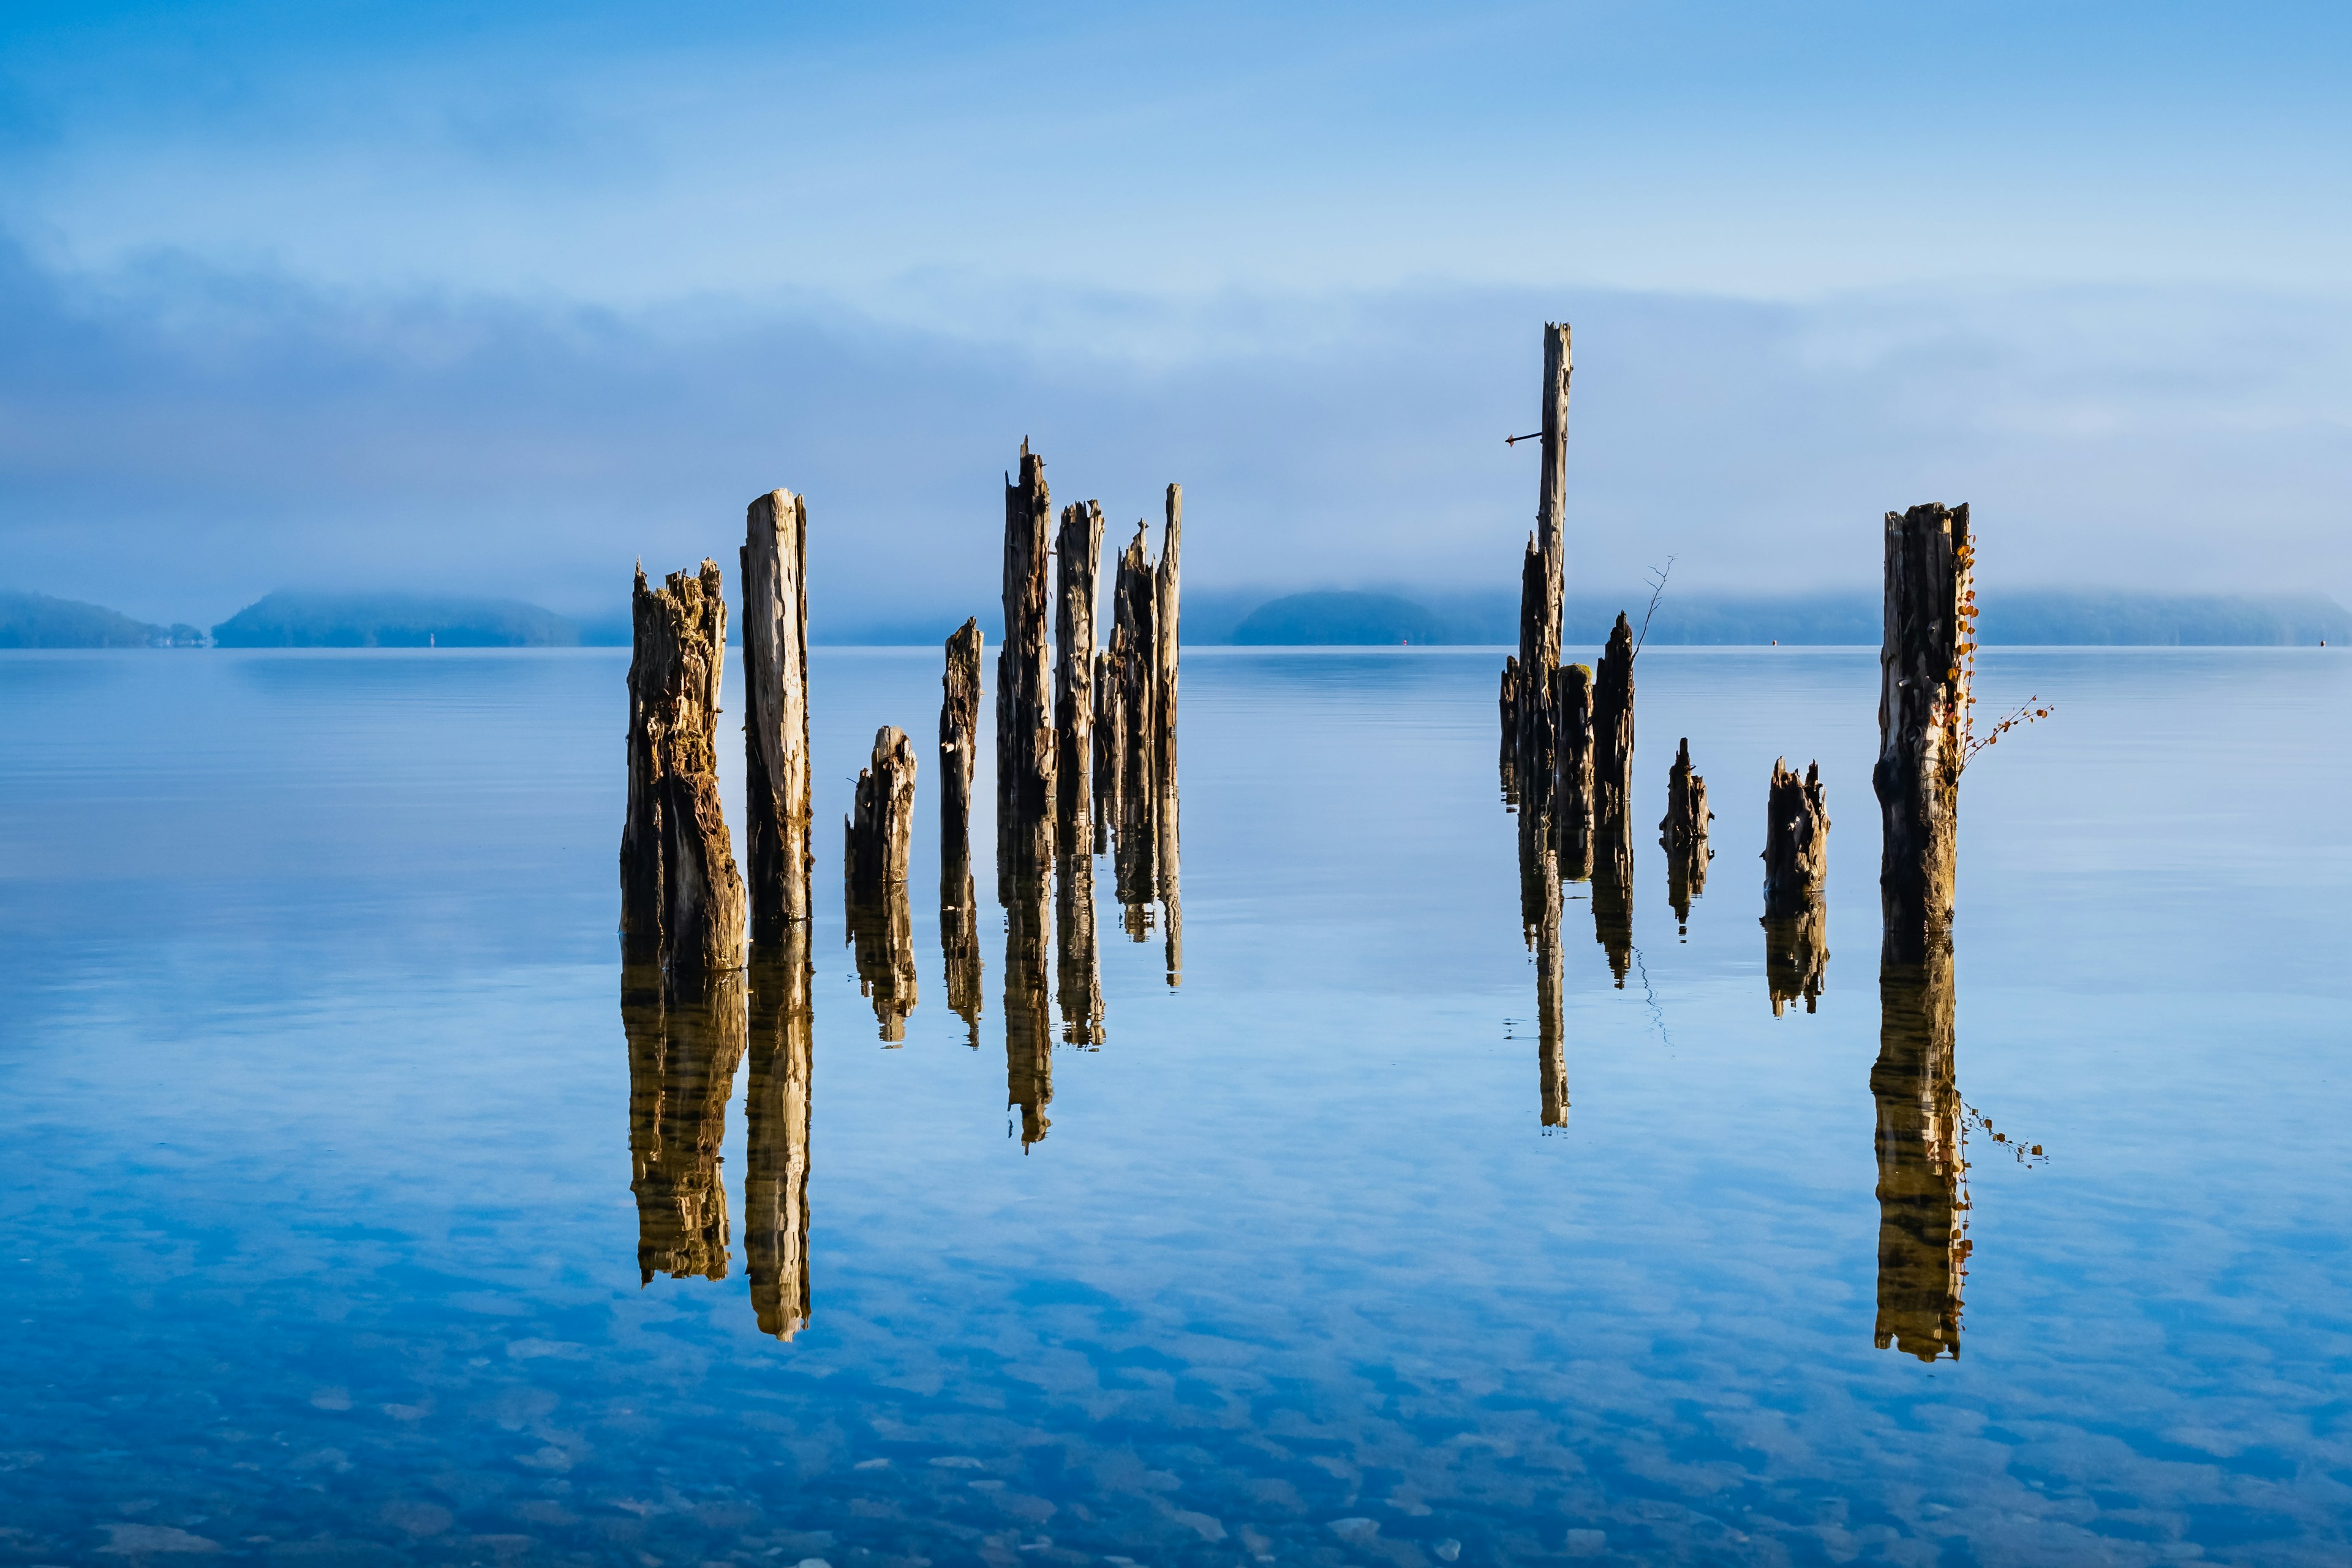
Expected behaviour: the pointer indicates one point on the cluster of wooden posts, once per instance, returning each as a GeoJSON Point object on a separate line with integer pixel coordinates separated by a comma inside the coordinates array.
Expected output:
{"type": "Point", "coordinates": [1567, 767]}
{"type": "Point", "coordinates": [716, 959]}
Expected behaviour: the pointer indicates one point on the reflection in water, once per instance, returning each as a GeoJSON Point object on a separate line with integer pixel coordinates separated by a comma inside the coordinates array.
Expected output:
{"type": "Point", "coordinates": [882, 935]}
{"type": "Point", "coordinates": [1612, 887]}
{"type": "Point", "coordinates": [1077, 973]}
{"type": "Point", "coordinates": [1923, 1246]}
{"type": "Point", "coordinates": [1797, 957]}
{"type": "Point", "coordinates": [1539, 918]}
{"type": "Point", "coordinates": [960, 932]}
{"type": "Point", "coordinates": [1028, 1009]}
{"type": "Point", "coordinates": [684, 1044]}
{"type": "Point", "coordinates": [775, 1184]}
{"type": "Point", "coordinates": [1164, 828]}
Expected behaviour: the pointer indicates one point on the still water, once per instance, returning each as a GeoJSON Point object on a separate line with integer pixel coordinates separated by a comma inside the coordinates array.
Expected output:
{"type": "Point", "coordinates": [329, 1211]}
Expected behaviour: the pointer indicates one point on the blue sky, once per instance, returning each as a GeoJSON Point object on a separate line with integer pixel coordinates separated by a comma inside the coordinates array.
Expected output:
{"type": "Point", "coordinates": [450, 293]}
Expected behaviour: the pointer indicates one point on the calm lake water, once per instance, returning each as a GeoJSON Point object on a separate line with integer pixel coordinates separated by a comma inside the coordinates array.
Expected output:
{"type": "Point", "coordinates": [323, 1245]}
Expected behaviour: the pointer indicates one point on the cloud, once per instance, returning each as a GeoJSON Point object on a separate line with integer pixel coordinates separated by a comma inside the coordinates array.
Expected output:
{"type": "Point", "coordinates": [176, 439]}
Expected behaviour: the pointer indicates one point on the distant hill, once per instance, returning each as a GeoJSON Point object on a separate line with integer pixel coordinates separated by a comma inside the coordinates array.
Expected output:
{"type": "Point", "coordinates": [288, 619]}
{"type": "Point", "coordinates": [1358, 619]}
{"type": "Point", "coordinates": [36, 620]}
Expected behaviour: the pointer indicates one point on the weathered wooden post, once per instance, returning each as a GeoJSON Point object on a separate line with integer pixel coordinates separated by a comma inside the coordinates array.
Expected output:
{"type": "Point", "coordinates": [1796, 841]}
{"type": "Point", "coordinates": [1024, 712]}
{"type": "Point", "coordinates": [1683, 833]}
{"type": "Point", "coordinates": [878, 842]}
{"type": "Point", "coordinates": [959, 734]}
{"type": "Point", "coordinates": [1077, 551]}
{"type": "Point", "coordinates": [1923, 700]}
{"type": "Point", "coordinates": [774, 580]}
{"type": "Point", "coordinates": [1109, 738]}
{"type": "Point", "coordinates": [1542, 576]}
{"type": "Point", "coordinates": [1571, 791]}
{"type": "Point", "coordinates": [1923, 1243]}
{"type": "Point", "coordinates": [682, 898]}
{"type": "Point", "coordinates": [1508, 701]}
{"type": "Point", "coordinates": [685, 1040]}
{"type": "Point", "coordinates": [1167, 587]}
{"type": "Point", "coordinates": [1613, 724]}
{"type": "Point", "coordinates": [776, 1139]}
{"type": "Point", "coordinates": [1796, 871]}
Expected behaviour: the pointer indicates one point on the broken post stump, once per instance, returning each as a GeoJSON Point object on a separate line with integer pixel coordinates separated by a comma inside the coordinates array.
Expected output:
{"type": "Point", "coordinates": [774, 580]}
{"type": "Point", "coordinates": [1683, 833]}
{"type": "Point", "coordinates": [959, 695]}
{"type": "Point", "coordinates": [1507, 702]}
{"type": "Point", "coordinates": [1571, 792]}
{"type": "Point", "coordinates": [1796, 841]}
{"type": "Point", "coordinates": [1612, 724]}
{"type": "Point", "coordinates": [879, 833]}
{"type": "Point", "coordinates": [1923, 700]}
{"type": "Point", "coordinates": [681, 897]}
{"type": "Point", "coordinates": [1025, 712]}
{"type": "Point", "coordinates": [1077, 551]}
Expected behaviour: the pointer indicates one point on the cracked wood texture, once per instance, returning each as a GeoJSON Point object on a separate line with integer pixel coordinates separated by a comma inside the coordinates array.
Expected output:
{"type": "Point", "coordinates": [682, 898]}
{"type": "Point", "coordinates": [1077, 557]}
{"type": "Point", "coordinates": [1613, 724]}
{"type": "Point", "coordinates": [1024, 714]}
{"type": "Point", "coordinates": [1923, 700]}
{"type": "Point", "coordinates": [774, 580]}
{"type": "Point", "coordinates": [958, 735]}
{"type": "Point", "coordinates": [1796, 841]}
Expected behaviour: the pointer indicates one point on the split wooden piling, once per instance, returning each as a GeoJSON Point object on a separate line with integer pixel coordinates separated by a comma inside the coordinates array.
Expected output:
{"type": "Point", "coordinates": [1923, 700]}
{"type": "Point", "coordinates": [775, 581]}
{"type": "Point", "coordinates": [681, 897]}
{"type": "Point", "coordinates": [1025, 711]}
{"type": "Point", "coordinates": [1077, 553]}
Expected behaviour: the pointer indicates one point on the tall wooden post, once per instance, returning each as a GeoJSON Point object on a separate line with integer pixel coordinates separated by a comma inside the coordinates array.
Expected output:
{"type": "Point", "coordinates": [959, 905]}
{"type": "Point", "coordinates": [1543, 574]}
{"type": "Point", "coordinates": [682, 898]}
{"type": "Point", "coordinates": [1923, 700]}
{"type": "Point", "coordinates": [1077, 553]}
{"type": "Point", "coordinates": [1167, 585]}
{"type": "Point", "coordinates": [775, 581]}
{"type": "Point", "coordinates": [1024, 712]}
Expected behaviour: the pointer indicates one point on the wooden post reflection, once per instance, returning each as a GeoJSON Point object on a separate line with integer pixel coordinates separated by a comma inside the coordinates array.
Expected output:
{"type": "Point", "coordinates": [775, 1185]}
{"type": "Point", "coordinates": [1028, 1008]}
{"type": "Point", "coordinates": [1797, 957]}
{"type": "Point", "coordinates": [686, 1038]}
{"type": "Point", "coordinates": [1077, 964]}
{"type": "Point", "coordinates": [1612, 886]}
{"type": "Point", "coordinates": [1923, 1246]}
{"type": "Point", "coordinates": [1539, 922]}
{"type": "Point", "coordinates": [960, 934]}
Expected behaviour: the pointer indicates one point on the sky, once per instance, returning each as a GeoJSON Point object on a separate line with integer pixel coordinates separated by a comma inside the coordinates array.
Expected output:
{"type": "Point", "coordinates": [501, 299]}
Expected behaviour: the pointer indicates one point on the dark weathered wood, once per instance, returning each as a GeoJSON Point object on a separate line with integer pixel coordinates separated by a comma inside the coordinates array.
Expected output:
{"type": "Point", "coordinates": [1078, 969]}
{"type": "Point", "coordinates": [1025, 706]}
{"type": "Point", "coordinates": [1507, 700]}
{"type": "Point", "coordinates": [1923, 1243]}
{"type": "Point", "coordinates": [775, 581]}
{"type": "Point", "coordinates": [1571, 791]}
{"type": "Point", "coordinates": [960, 936]}
{"type": "Point", "coordinates": [685, 1040]}
{"type": "Point", "coordinates": [880, 829]}
{"type": "Point", "coordinates": [1683, 833]}
{"type": "Point", "coordinates": [1796, 841]}
{"type": "Point", "coordinates": [1110, 739]}
{"type": "Point", "coordinates": [1797, 957]}
{"type": "Point", "coordinates": [1167, 592]}
{"type": "Point", "coordinates": [1923, 700]}
{"type": "Point", "coordinates": [776, 1141]}
{"type": "Point", "coordinates": [1539, 918]}
{"type": "Point", "coordinates": [1077, 553]}
{"type": "Point", "coordinates": [878, 844]}
{"type": "Point", "coordinates": [1028, 1005]}
{"type": "Point", "coordinates": [1612, 892]}
{"type": "Point", "coordinates": [682, 898]}
{"type": "Point", "coordinates": [1612, 724]}
{"type": "Point", "coordinates": [959, 696]}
